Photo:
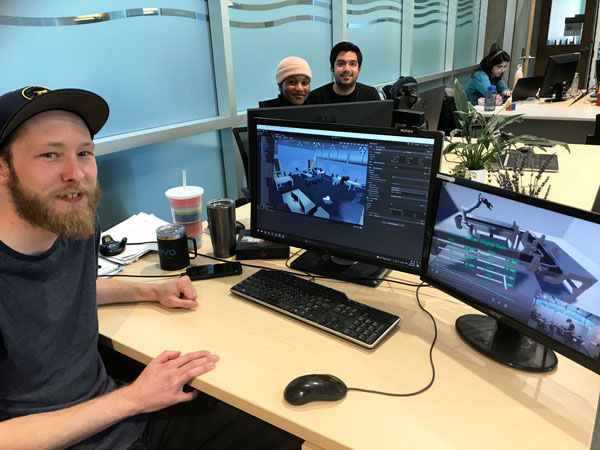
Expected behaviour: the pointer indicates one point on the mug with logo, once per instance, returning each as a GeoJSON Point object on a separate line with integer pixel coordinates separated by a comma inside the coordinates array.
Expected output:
{"type": "Point", "coordinates": [172, 244]}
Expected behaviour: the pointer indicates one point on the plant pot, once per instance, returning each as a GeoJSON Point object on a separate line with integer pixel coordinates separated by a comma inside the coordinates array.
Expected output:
{"type": "Point", "coordinates": [476, 175]}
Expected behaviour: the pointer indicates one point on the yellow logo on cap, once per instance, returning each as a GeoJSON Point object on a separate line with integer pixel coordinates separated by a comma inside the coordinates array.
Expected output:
{"type": "Point", "coordinates": [31, 92]}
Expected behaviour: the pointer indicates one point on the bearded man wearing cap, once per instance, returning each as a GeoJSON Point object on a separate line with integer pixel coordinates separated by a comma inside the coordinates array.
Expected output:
{"type": "Point", "coordinates": [54, 388]}
{"type": "Point", "coordinates": [346, 60]}
{"type": "Point", "coordinates": [293, 77]}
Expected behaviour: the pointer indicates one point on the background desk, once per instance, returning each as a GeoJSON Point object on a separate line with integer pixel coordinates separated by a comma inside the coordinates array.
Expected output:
{"type": "Point", "coordinates": [557, 121]}
{"type": "Point", "coordinates": [576, 183]}
{"type": "Point", "coordinates": [474, 402]}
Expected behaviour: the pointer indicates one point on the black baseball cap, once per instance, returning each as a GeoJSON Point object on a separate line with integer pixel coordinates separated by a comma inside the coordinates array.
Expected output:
{"type": "Point", "coordinates": [21, 104]}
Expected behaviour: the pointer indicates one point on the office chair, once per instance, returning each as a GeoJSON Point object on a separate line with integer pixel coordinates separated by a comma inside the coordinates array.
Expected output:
{"type": "Point", "coordinates": [240, 135]}
{"type": "Point", "coordinates": [448, 120]}
{"type": "Point", "coordinates": [596, 205]}
{"type": "Point", "coordinates": [594, 139]}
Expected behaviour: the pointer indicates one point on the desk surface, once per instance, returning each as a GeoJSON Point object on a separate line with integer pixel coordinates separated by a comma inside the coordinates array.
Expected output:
{"type": "Point", "coordinates": [474, 402]}
{"type": "Point", "coordinates": [583, 110]}
{"type": "Point", "coordinates": [576, 183]}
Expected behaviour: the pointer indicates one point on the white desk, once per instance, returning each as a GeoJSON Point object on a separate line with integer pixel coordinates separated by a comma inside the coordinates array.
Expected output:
{"type": "Point", "coordinates": [576, 183]}
{"type": "Point", "coordinates": [557, 121]}
{"type": "Point", "coordinates": [352, 185]}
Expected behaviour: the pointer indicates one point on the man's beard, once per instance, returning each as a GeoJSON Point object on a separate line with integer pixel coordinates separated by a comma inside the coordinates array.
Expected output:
{"type": "Point", "coordinates": [37, 210]}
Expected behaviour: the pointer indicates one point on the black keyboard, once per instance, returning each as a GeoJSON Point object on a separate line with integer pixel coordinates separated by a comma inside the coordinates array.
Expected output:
{"type": "Point", "coordinates": [317, 305]}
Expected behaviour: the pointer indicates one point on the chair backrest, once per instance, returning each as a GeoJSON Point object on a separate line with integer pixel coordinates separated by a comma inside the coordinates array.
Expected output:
{"type": "Point", "coordinates": [240, 134]}
{"type": "Point", "coordinates": [594, 139]}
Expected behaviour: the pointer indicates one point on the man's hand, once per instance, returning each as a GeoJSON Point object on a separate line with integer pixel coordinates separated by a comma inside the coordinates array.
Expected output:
{"type": "Point", "coordinates": [178, 293]}
{"type": "Point", "coordinates": [161, 383]}
{"type": "Point", "coordinates": [158, 386]}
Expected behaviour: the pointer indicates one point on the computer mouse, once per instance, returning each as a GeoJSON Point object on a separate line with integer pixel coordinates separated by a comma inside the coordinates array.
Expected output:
{"type": "Point", "coordinates": [314, 388]}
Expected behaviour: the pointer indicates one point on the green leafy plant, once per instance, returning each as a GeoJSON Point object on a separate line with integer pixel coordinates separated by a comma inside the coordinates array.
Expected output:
{"type": "Point", "coordinates": [479, 142]}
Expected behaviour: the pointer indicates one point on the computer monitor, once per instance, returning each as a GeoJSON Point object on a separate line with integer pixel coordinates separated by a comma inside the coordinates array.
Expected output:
{"type": "Point", "coordinates": [371, 195]}
{"type": "Point", "coordinates": [430, 102]}
{"type": "Point", "coordinates": [376, 113]}
{"type": "Point", "coordinates": [559, 70]}
{"type": "Point", "coordinates": [531, 265]}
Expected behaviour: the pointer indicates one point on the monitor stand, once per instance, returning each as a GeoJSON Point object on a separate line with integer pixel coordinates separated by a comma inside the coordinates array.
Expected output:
{"type": "Point", "coordinates": [504, 344]}
{"type": "Point", "coordinates": [558, 94]}
{"type": "Point", "coordinates": [339, 268]}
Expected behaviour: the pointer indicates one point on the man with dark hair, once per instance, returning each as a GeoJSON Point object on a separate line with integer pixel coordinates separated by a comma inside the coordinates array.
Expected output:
{"type": "Point", "coordinates": [346, 61]}
{"type": "Point", "coordinates": [54, 388]}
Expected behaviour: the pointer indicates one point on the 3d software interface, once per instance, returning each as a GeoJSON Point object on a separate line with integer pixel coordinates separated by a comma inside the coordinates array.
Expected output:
{"type": "Point", "coordinates": [355, 192]}
{"type": "Point", "coordinates": [537, 266]}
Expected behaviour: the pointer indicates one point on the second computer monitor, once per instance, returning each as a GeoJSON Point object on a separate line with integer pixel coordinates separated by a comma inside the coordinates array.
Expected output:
{"type": "Point", "coordinates": [560, 69]}
{"type": "Point", "coordinates": [375, 113]}
{"type": "Point", "coordinates": [531, 265]}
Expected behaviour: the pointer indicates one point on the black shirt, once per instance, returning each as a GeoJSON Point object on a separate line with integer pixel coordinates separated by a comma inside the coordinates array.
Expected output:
{"type": "Point", "coordinates": [326, 94]}
{"type": "Point", "coordinates": [275, 102]}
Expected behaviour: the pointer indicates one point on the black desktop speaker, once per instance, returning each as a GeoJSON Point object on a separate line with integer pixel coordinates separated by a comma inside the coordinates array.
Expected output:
{"type": "Point", "coordinates": [249, 247]}
{"type": "Point", "coordinates": [409, 118]}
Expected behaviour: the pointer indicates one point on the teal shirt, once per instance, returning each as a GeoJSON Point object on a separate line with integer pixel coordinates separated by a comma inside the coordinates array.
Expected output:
{"type": "Point", "coordinates": [478, 85]}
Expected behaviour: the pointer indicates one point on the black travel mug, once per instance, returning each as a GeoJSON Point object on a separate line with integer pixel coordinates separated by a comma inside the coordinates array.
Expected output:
{"type": "Point", "coordinates": [221, 221]}
{"type": "Point", "coordinates": [172, 244]}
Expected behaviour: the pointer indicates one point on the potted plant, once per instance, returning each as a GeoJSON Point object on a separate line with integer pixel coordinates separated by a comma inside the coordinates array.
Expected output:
{"type": "Point", "coordinates": [481, 142]}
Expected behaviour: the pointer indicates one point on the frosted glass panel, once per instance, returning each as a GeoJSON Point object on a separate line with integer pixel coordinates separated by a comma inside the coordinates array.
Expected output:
{"type": "Point", "coordinates": [376, 27]}
{"type": "Point", "coordinates": [135, 180]}
{"type": "Point", "coordinates": [429, 37]}
{"type": "Point", "coordinates": [151, 62]}
{"type": "Point", "coordinates": [467, 31]}
{"type": "Point", "coordinates": [265, 32]}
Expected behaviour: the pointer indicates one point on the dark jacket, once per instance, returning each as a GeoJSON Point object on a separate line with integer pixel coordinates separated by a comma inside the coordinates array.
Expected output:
{"type": "Point", "coordinates": [275, 102]}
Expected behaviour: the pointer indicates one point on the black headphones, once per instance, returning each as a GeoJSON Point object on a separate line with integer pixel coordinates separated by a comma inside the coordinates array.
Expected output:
{"type": "Point", "coordinates": [496, 54]}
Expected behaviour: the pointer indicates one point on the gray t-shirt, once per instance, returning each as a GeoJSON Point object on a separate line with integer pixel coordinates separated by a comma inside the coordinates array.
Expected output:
{"type": "Point", "coordinates": [48, 336]}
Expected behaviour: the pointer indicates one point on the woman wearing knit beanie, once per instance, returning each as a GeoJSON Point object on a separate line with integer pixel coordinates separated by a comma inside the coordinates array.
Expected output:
{"type": "Point", "coordinates": [293, 77]}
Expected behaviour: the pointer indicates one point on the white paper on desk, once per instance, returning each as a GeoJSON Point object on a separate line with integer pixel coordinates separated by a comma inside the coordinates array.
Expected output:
{"type": "Point", "coordinates": [140, 227]}
{"type": "Point", "coordinates": [106, 267]}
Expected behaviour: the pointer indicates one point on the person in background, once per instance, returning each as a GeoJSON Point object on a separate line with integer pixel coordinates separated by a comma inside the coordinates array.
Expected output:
{"type": "Point", "coordinates": [293, 77]}
{"type": "Point", "coordinates": [569, 329]}
{"type": "Point", "coordinates": [55, 391]}
{"type": "Point", "coordinates": [346, 62]}
{"type": "Point", "coordinates": [489, 73]}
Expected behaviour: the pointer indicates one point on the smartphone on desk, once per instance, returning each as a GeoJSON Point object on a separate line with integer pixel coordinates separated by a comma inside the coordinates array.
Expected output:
{"type": "Point", "coordinates": [214, 270]}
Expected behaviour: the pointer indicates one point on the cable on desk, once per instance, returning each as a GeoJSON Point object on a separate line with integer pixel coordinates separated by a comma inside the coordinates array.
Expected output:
{"type": "Point", "coordinates": [257, 266]}
{"type": "Point", "coordinates": [410, 394]}
{"type": "Point", "coordinates": [287, 264]}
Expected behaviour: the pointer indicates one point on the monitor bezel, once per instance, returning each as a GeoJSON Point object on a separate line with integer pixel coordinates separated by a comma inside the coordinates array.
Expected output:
{"type": "Point", "coordinates": [593, 365]}
{"type": "Point", "coordinates": [437, 136]}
